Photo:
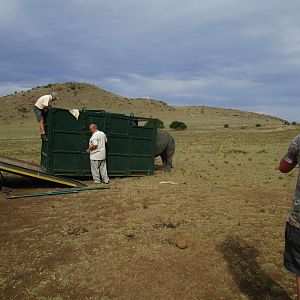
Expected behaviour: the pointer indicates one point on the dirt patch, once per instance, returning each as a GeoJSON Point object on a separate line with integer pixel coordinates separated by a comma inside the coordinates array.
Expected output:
{"type": "Point", "coordinates": [226, 212]}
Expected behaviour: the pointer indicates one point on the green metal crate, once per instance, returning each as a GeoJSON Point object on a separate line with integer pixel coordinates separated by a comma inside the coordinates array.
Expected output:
{"type": "Point", "coordinates": [130, 148]}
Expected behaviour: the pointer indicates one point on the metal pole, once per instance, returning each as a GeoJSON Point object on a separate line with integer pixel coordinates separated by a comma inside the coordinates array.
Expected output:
{"type": "Point", "coordinates": [58, 192]}
{"type": "Point", "coordinates": [40, 195]}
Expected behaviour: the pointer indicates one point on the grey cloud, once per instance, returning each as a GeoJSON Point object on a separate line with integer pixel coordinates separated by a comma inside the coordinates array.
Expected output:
{"type": "Point", "coordinates": [223, 52]}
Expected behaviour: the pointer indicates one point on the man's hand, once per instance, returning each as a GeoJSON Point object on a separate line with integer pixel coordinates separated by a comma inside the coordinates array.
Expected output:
{"type": "Point", "coordinates": [285, 167]}
{"type": "Point", "coordinates": [88, 150]}
{"type": "Point", "coordinates": [92, 147]}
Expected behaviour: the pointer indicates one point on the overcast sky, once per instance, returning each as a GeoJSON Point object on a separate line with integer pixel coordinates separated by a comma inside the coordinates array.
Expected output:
{"type": "Point", "coordinates": [227, 53]}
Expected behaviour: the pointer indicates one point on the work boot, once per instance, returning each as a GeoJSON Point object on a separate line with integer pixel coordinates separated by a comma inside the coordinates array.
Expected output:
{"type": "Point", "coordinates": [44, 137]}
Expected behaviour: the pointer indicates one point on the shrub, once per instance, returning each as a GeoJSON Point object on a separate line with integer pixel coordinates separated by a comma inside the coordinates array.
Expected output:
{"type": "Point", "coordinates": [226, 125]}
{"type": "Point", "coordinates": [159, 123]}
{"type": "Point", "coordinates": [177, 125]}
{"type": "Point", "coordinates": [23, 110]}
{"type": "Point", "coordinates": [286, 123]}
{"type": "Point", "coordinates": [258, 125]}
{"type": "Point", "coordinates": [294, 123]}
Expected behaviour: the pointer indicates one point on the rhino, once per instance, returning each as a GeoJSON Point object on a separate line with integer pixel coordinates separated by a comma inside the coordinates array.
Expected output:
{"type": "Point", "coordinates": [165, 148]}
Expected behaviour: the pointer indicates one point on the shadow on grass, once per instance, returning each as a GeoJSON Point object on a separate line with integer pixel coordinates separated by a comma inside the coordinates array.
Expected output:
{"type": "Point", "coordinates": [250, 278]}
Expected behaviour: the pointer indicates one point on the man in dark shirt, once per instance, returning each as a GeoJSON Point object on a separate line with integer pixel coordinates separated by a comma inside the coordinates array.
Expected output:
{"type": "Point", "coordinates": [292, 230]}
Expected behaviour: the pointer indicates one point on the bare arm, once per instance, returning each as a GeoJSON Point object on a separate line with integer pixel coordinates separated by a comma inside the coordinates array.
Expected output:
{"type": "Point", "coordinates": [91, 148]}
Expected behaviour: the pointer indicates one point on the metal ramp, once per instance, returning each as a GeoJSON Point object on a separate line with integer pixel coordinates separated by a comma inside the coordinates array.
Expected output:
{"type": "Point", "coordinates": [23, 168]}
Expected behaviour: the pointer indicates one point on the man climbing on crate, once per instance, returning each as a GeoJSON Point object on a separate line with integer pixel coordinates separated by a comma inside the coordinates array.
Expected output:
{"type": "Point", "coordinates": [41, 105]}
{"type": "Point", "coordinates": [97, 152]}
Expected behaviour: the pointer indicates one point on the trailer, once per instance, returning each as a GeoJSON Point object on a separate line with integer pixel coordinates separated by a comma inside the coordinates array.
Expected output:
{"type": "Point", "coordinates": [130, 147]}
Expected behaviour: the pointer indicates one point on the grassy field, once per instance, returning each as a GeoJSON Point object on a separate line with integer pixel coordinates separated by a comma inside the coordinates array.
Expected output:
{"type": "Point", "coordinates": [216, 233]}
{"type": "Point", "coordinates": [227, 209]}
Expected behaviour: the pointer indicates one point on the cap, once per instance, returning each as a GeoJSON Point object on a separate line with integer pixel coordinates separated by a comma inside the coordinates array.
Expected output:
{"type": "Point", "coordinates": [54, 94]}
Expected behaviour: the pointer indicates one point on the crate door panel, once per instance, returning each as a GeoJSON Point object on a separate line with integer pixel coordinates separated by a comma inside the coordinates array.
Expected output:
{"type": "Point", "coordinates": [119, 125]}
{"type": "Point", "coordinates": [143, 132]}
{"type": "Point", "coordinates": [65, 163]}
{"type": "Point", "coordinates": [142, 150]}
{"type": "Point", "coordinates": [64, 142]}
{"type": "Point", "coordinates": [117, 154]}
{"type": "Point", "coordinates": [141, 147]}
{"type": "Point", "coordinates": [64, 121]}
{"type": "Point", "coordinates": [95, 118]}
{"type": "Point", "coordinates": [85, 156]}
{"type": "Point", "coordinates": [141, 156]}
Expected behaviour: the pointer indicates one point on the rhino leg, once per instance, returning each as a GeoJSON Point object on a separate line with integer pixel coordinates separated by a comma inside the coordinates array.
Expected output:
{"type": "Point", "coordinates": [169, 154]}
{"type": "Point", "coordinates": [169, 165]}
{"type": "Point", "coordinates": [167, 161]}
{"type": "Point", "coordinates": [164, 159]}
{"type": "Point", "coordinates": [165, 148]}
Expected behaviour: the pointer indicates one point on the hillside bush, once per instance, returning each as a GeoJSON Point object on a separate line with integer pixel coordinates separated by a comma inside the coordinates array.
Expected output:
{"type": "Point", "coordinates": [226, 125]}
{"type": "Point", "coordinates": [177, 125]}
{"type": "Point", "coordinates": [258, 125]}
{"type": "Point", "coordinates": [294, 123]}
{"type": "Point", "coordinates": [160, 123]}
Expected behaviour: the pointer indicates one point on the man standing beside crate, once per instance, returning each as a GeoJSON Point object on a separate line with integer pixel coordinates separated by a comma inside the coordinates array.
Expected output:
{"type": "Point", "coordinates": [97, 152]}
